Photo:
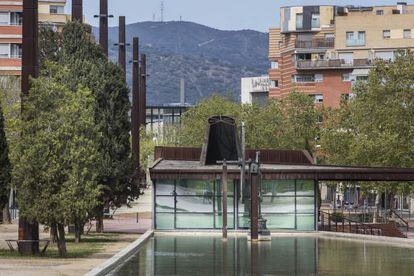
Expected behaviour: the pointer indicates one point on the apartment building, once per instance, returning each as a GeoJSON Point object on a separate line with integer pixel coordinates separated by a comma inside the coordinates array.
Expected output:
{"type": "Point", "coordinates": [323, 50]}
{"type": "Point", "coordinates": [255, 90]}
{"type": "Point", "coordinates": [51, 13]}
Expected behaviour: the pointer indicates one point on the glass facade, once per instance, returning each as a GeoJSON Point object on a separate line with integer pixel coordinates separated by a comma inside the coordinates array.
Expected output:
{"type": "Point", "coordinates": [197, 204]}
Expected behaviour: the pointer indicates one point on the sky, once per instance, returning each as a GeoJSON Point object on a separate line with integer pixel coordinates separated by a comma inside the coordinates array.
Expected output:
{"type": "Point", "coordinates": [221, 14]}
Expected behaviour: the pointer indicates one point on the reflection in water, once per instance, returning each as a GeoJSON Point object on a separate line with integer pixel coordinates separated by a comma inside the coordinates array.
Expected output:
{"type": "Point", "coordinates": [202, 255]}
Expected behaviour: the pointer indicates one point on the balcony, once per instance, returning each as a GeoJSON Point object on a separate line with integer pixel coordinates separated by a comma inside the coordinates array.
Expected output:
{"type": "Point", "coordinates": [315, 43]}
{"type": "Point", "coordinates": [355, 42]}
{"type": "Point", "coordinates": [333, 64]}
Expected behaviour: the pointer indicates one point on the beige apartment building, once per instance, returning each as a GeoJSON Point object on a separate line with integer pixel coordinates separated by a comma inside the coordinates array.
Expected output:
{"type": "Point", "coordinates": [323, 50]}
{"type": "Point", "coordinates": [51, 13]}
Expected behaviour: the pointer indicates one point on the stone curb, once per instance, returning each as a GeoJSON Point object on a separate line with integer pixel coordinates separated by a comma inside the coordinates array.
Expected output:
{"type": "Point", "coordinates": [121, 256]}
{"type": "Point", "coordinates": [369, 238]}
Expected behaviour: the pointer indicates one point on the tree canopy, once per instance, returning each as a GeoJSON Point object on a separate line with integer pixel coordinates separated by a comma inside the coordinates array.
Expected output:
{"type": "Point", "coordinates": [5, 166]}
{"type": "Point", "coordinates": [375, 128]}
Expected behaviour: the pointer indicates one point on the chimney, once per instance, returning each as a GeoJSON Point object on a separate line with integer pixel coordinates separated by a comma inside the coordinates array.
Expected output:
{"type": "Point", "coordinates": [182, 92]}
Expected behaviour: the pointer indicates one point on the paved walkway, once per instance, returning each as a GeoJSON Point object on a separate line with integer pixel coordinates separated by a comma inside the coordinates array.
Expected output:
{"type": "Point", "coordinates": [40, 267]}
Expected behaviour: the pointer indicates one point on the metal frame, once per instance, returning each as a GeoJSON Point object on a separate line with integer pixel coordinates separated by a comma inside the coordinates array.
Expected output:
{"type": "Point", "coordinates": [235, 212]}
{"type": "Point", "coordinates": [214, 213]}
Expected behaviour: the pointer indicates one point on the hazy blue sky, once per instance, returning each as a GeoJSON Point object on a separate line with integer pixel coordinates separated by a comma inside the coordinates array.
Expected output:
{"type": "Point", "coordinates": [222, 14]}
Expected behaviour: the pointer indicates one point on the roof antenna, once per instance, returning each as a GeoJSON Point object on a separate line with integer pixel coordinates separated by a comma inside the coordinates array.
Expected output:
{"type": "Point", "coordinates": [162, 11]}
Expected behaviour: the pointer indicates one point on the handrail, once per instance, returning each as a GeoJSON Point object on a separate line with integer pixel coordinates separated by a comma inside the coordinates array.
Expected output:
{"type": "Point", "coordinates": [407, 225]}
{"type": "Point", "coordinates": [350, 224]}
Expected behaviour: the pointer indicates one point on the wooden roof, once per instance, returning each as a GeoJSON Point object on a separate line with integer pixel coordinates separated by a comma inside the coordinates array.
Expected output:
{"type": "Point", "coordinates": [172, 164]}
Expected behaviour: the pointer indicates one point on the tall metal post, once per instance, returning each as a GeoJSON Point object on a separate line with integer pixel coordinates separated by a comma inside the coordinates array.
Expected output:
{"type": "Point", "coordinates": [122, 44]}
{"type": "Point", "coordinates": [103, 25]}
{"type": "Point", "coordinates": [77, 10]}
{"type": "Point", "coordinates": [254, 197]}
{"type": "Point", "coordinates": [29, 231]}
{"type": "Point", "coordinates": [143, 91]}
{"type": "Point", "coordinates": [224, 198]}
{"type": "Point", "coordinates": [135, 108]}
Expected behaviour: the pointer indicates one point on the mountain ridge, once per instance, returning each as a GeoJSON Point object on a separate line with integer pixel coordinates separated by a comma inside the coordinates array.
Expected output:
{"type": "Point", "coordinates": [209, 60]}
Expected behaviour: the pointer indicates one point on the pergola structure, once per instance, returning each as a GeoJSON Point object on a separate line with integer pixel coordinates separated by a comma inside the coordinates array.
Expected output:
{"type": "Point", "coordinates": [287, 193]}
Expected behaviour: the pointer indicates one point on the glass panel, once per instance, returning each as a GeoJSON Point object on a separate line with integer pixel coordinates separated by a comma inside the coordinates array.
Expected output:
{"type": "Point", "coordinates": [218, 204]}
{"type": "Point", "coordinates": [164, 187]}
{"type": "Point", "coordinates": [164, 204]}
{"type": "Point", "coordinates": [198, 221]}
{"type": "Point", "coordinates": [278, 205]}
{"type": "Point", "coordinates": [305, 205]}
{"type": "Point", "coordinates": [299, 21]}
{"type": "Point", "coordinates": [244, 205]}
{"type": "Point", "coordinates": [244, 220]}
{"type": "Point", "coordinates": [280, 221]}
{"type": "Point", "coordinates": [305, 222]}
{"type": "Point", "coordinates": [278, 188]}
{"type": "Point", "coordinates": [219, 220]}
{"type": "Point", "coordinates": [4, 18]}
{"type": "Point", "coordinates": [195, 187]}
{"type": "Point", "coordinates": [196, 204]}
{"type": "Point", "coordinates": [164, 221]}
{"type": "Point", "coordinates": [316, 20]}
{"type": "Point", "coordinates": [305, 187]}
{"type": "Point", "coordinates": [230, 187]}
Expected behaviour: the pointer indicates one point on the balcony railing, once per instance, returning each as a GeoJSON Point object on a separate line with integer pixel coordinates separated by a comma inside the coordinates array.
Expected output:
{"type": "Point", "coordinates": [315, 43]}
{"type": "Point", "coordinates": [333, 63]}
{"type": "Point", "coordinates": [355, 42]}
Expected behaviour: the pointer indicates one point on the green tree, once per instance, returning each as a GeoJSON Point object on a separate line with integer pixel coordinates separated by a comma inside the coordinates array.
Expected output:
{"type": "Point", "coordinates": [57, 172]}
{"type": "Point", "coordinates": [289, 123]}
{"type": "Point", "coordinates": [375, 128]}
{"type": "Point", "coordinates": [5, 168]}
{"type": "Point", "coordinates": [89, 68]}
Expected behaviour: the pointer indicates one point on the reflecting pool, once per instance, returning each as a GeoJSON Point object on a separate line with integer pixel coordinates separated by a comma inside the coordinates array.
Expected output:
{"type": "Point", "coordinates": [287, 255]}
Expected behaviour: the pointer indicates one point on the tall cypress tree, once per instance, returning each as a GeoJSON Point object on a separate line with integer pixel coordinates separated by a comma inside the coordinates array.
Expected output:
{"type": "Point", "coordinates": [90, 68]}
{"type": "Point", "coordinates": [5, 166]}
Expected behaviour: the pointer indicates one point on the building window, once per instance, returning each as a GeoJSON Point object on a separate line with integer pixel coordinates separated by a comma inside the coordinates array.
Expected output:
{"type": "Point", "coordinates": [4, 50]}
{"type": "Point", "coordinates": [303, 78]}
{"type": "Point", "coordinates": [318, 98]}
{"type": "Point", "coordinates": [16, 50]}
{"type": "Point", "coordinates": [386, 34]}
{"type": "Point", "coordinates": [16, 18]}
{"type": "Point", "coordinates": [274, 65]}
{"type": "Point", "coordinates": [318, 77]}
{"type": "Point", "coordinates": [380, 12]}
{"type": "Point", "coordinates": [316, 23]}
{"type": "Point", "coordinates": [4, 18]}
{"type": "Point", "coordinates": [274, 83]}
{"type": "Point", "coordinates": [355, 38]}
{"type": "Point", "coordinates": [346, 77]}
{"type": "Point", "coordinates": [57, 9]}
{"type": "Point", "coordinates": [299, 21]}
{"type": "Point", "coordinates": [407, 33]}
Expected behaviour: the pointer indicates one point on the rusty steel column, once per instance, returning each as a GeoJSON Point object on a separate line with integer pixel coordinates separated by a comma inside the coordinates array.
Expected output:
{"type": "Point", "coordinates": [135, 108]}
{"type": "Point", "coordinates": [122, 44]}
{"type": "Point", "coordinates": [103, 25]}
{"type": "Point", "coordinates": [77, 10]}
{"type": "Point", "coordinates": [143, 91]}
{"type": "Point", "coordinates": [29, 231]}
{"type": "Point", "coordinates": [254, 197]}
{"type": "Point", "coordinates": [224, 198]}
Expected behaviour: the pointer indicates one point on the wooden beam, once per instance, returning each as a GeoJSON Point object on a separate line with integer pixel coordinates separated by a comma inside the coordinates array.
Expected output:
{"type": "Point", "coordinates": [224, 198]}
{"type": "Point", "coordinates": [122, 44]}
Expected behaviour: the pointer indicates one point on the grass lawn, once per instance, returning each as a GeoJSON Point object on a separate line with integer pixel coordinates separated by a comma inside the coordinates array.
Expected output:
{"type": "Point", "coordinates": [91, 244]}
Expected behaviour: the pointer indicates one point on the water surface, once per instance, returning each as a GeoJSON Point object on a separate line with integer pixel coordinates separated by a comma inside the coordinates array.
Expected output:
{"type": "Point", "coordinates": [204, 255]}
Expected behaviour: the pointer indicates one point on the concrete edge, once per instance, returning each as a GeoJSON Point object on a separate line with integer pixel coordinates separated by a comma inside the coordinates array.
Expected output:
{"type": "Point", "coordinates": [369, 238]}
{"type": "Point", "coordinates": [121, 256]}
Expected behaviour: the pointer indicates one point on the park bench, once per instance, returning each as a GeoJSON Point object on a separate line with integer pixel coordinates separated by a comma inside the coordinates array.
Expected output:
{"type": "Point", "coordinates": [19, 243]}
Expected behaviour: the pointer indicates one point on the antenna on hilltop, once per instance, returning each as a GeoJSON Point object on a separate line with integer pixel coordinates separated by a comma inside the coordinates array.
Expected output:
{"type": "Point", "coordinates": [162, 11]}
